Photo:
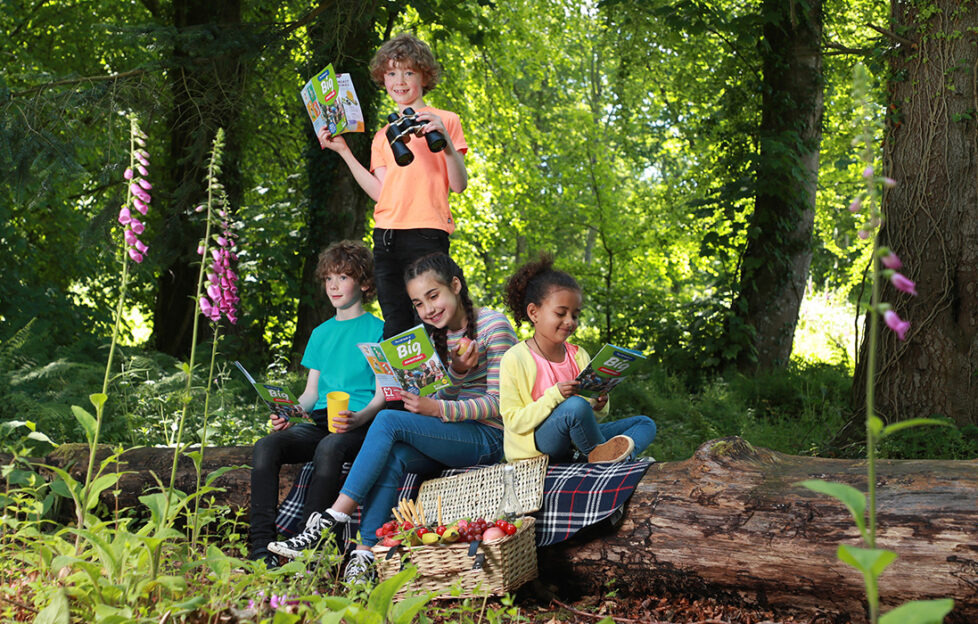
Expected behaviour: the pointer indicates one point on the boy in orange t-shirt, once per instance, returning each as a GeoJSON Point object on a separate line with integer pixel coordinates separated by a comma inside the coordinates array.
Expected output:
{"type": "Point", "coordinates": [412, 217]}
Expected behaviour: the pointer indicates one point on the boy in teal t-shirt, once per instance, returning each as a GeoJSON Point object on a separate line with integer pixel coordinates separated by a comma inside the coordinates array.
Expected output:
{"type": "Point", "coordinates": [335, 363]}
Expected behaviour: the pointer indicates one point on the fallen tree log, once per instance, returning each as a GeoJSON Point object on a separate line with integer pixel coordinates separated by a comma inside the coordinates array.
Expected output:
{"type": "Point", "coordinates": [728, 523]}
{"type": "Point", "coordinates": [731, 523]}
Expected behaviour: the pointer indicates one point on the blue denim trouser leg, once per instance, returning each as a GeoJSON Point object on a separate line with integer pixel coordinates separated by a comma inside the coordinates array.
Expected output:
{"type": "Point", "coordinates": [573, 423]}
{"type": "Point", "coordinates": [641, 429]}
{"type": "Point", "coordinates": [400, 441]}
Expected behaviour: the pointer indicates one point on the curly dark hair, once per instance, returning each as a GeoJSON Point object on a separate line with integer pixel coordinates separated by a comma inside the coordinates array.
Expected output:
{"type": "Point", "coordinates": [406, 50]}
{"type": "Point", "coordinates": [352, 258]}
{"type": "Point", "coordinates": [532, 283]}
{"type": "Point", "coordinates": [445, 269]}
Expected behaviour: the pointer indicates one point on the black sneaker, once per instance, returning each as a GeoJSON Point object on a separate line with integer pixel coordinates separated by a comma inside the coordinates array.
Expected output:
{"type": "Point", "coordinates": [360, 568]}
{"type": "Point", "coordinates": [319, 528]}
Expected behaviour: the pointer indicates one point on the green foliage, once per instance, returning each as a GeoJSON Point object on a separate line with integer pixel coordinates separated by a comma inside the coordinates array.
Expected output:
{"type": "Point", "coordinates": [796, 410]}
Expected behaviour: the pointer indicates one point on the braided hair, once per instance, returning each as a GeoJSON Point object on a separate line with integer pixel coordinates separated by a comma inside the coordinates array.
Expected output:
{"type": "Point", "coordinates": [532, 283]}
{"type": "Point", "coordinates": [444, 270]}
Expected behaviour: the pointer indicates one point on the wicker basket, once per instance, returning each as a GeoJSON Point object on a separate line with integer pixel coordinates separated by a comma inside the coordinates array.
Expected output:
{"type": "Point", "coordinates": [456, 570]}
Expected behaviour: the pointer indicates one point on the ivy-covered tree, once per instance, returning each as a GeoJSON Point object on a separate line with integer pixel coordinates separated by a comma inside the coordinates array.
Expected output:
{"type": "Point", "coordinates": [930, 219]}
{"type": "Point", "coordinates": [775, 263]}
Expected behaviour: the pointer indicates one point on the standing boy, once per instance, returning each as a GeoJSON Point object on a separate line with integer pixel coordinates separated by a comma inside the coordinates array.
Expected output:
{"type": "Point", "coordinates": [335, 363]}
{"type": "Point", "coordinates": [412, 217]}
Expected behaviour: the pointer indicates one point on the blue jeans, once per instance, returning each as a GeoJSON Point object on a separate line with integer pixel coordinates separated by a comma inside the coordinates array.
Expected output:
{"type": "Point", "coordinates": [573, 422]}
{"type": "Point", "coordinates": [400, 442]}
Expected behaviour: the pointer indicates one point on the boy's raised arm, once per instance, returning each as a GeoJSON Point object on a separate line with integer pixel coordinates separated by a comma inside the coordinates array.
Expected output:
{"type": "Point", "coordinates": [369, 182]}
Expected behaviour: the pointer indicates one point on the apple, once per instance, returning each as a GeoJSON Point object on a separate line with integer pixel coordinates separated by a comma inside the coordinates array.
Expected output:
{"type": "Point", "coordinates": [492, 534]}
{"type": "Point", "coordinates": [390, 542]}
{"type": "Point", "coordinates": [463, 345]}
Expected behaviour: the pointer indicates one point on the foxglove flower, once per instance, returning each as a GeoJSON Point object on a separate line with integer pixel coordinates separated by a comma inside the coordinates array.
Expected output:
{"type": "Point", "coordinates": [901, 283]}
{"type": "Point", "coordinates": [222, 281]}
{"type": "Point", "coordinates": [891, 261]}
{"type": "Point", "coordinates": [855, 205]}
{"type": "Point", "coordinates": [898, 325]}
{"type": "Point", "coordinates": [137, 197]}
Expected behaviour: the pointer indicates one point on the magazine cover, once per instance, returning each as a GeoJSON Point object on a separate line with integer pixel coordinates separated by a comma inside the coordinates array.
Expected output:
{"type": "Point", "coordinates": [331, 102]}
{"type": "Point", "coordinates": [607, 369]}
{"type": "Point", "coordinates": [278, 398]}
{"type": "Point", "coordinates": [408, 362]}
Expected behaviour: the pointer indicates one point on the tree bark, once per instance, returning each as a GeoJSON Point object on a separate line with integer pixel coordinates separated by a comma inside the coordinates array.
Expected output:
{"type": "Point", "coordinates": [337, 204]}
{"type": "Point", "coordinates": [774, 267]}
{"type": "Point", "coordinates": [730, 523]}
{"type": "Point", "coordinates": [930, 219]}
{"type": "Point", "coordinates": [204, 99]}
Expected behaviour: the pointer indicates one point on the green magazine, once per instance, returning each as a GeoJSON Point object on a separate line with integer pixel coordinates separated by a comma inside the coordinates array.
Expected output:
{"type": "Point", "coordinates": [332, 103]}
{"type": "Point", "coordinates": [408, 362]}
{"type": "Point", "coordinates": [279, 399]}
{"type": "Point", "coordinates": [607, 369]}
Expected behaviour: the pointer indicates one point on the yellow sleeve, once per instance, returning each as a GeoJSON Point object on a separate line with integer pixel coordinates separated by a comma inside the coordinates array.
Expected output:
{"type": "Point", "coordinates": [517, 373]}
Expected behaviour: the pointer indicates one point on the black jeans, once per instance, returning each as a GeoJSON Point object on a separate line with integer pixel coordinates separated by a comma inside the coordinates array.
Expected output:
{"type": "Point", "coordinates": [394, 250]}
{"type": "Point", "coordinates": [297, 445]}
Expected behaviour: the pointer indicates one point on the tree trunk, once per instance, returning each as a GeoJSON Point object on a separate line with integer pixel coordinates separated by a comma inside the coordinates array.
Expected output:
{"type": "Point", "coordinates": [337, 204]}
{"type": "Point", "coordinates": [774, 268]}
{"type": "Point", "coordinates": [930, 219]}
{"type": "Point", "coordinates": [728, 523]}
{"type": "Point", "coordinates": [205, 78]}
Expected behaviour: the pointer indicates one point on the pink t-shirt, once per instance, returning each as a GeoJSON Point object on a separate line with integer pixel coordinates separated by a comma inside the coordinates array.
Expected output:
{"type": "Point", "coordinates": [550, 373]}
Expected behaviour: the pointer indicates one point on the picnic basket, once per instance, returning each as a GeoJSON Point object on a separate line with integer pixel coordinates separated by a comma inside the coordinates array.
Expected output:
{"type": "Point", "coordinates": [464, 570]}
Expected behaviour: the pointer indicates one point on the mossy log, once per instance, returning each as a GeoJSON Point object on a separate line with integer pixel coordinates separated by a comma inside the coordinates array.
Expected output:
{"type": "Point", "coordinates": [730, 522]}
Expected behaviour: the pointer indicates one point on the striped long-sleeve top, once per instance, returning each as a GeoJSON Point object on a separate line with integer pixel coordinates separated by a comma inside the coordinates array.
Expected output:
{"type": "Point", "coordinates": [475, 395]}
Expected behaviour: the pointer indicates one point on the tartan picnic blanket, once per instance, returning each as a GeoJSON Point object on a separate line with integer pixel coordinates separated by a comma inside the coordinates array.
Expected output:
{"type": "Point", "coordinates": [575, 495]}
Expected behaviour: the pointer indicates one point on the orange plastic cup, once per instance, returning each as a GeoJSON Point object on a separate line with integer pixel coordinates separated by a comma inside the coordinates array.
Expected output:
{"type": "Point", "coordinates": [336, 402]}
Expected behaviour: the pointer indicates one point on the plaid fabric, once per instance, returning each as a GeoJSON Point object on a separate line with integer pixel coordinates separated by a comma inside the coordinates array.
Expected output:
{"type": "Point", "coordinates": [574, 496]}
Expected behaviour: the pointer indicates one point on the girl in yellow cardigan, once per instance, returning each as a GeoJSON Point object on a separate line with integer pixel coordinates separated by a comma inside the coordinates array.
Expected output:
{"type": "Point", "coordinates": [541, 412]}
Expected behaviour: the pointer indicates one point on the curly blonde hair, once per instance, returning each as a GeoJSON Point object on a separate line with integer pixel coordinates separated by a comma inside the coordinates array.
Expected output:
{"type": "Point", "coordinates": [406, 50]}
{"type": "Point", "coordinates": [353, 259]}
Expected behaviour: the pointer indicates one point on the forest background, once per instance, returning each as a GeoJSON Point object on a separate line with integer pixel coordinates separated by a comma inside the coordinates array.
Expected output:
{"type": "Point", "coordinates": [689, 162]}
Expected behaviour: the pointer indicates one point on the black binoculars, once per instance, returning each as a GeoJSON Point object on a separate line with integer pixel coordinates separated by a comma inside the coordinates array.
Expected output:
{"type": "Point", "coordinates": [399, 133]}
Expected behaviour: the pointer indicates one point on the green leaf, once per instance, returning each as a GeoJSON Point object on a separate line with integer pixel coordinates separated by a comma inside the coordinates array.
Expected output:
{"type": "Point", "coordinates": [56, 612]}
{"type": "Point", "coordinates": [869, 561]}
{"type": "Point", "coordinates": [213, 476]}
{"type": "Point", "coordinates": [104, 614]}
{"type": "Point", "coordinates": [853, 499]}
{"type": "Point", "coordinates": [86, 420]}
{"type": "Point", "coordinates": [333, 617]}
{"type": "Point", "coordinates": [174, 584]}
{"type": "Point", "coordinates": [919, 612]}
{"type": "Point", "coordinates": [218, 562]}
{"type": "Point", "coordinates": [191, 605]}
{"type": "Point", "coordinates": [284, 617]}
{"type": "Point", "coordinates": [914, 422]}
{"type": "Point", "coordinates": [98, 486]}
{"type": "Point", "coordinates": [98, 399]}
{"type": "Point", "coordinates": [67, 486]}
{"type": "Point", "coordinates": [380, 598]}
{"type": "Point", "coordinates": [40, 437]}
{"type": "Point", "coordinates": [875, 426]}
{"type": "Point", "coordinates": [404, 611]}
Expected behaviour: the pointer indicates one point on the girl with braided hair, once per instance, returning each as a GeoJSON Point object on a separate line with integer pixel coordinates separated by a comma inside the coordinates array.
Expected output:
{"type": "Point", "coordinates": [541, 412]}
{"type": "Point", "coordinates": [459, 427]}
